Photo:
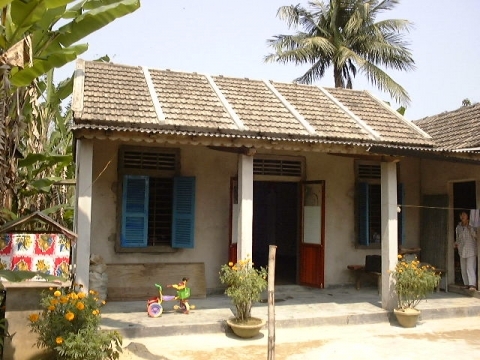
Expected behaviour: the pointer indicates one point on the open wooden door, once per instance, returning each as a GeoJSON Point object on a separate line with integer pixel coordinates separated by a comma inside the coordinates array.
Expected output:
{"type": "Point", "coordinates": [312, 250]}
{"type": "Point", "coordinates": [232, 247]}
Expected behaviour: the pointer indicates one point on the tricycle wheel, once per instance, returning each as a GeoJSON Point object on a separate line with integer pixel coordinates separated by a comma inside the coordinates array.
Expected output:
{"type": "Point", "coordinates": [155, 310]}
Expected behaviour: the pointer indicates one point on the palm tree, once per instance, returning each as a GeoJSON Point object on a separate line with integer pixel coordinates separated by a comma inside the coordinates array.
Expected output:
{"type": "Point", "coordinates": [343, 34]}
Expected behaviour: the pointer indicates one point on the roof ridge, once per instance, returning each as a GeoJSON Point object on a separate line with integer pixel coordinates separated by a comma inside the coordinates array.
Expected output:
{"type": "Point", "coordinates": [398, 115]}
{"type": "Point", "coordinates": [353, 116]}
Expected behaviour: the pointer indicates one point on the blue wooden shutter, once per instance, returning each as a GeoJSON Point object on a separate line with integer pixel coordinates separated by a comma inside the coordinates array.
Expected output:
{"type": "Point", "coordinates": [183, 226]}
{"type": "Point", "coordinates": [401, 214]}
{"type": "Point", "coordinates": [363, 217]}
{"type": "Point", "coordinates": [135, 211]}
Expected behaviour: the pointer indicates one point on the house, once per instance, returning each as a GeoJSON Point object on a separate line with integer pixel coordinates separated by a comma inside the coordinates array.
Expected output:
{"type": "Point", "coordinates": [181, 172]}
{"type": "Point", "coordinates": [456, 131]}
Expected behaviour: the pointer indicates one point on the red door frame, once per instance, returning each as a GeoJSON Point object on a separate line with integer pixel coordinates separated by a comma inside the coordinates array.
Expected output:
{"type": "Point", "coordinates": [312, 256]}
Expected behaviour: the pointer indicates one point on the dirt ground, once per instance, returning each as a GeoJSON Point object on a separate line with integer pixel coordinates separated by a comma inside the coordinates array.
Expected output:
{"type": "Point", "coordinates": [439, 339]}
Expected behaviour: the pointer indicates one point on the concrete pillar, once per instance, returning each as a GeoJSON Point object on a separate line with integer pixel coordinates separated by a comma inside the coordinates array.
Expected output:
{"type": "Point", "coordinates": [245, 202]}
{"type": "Point", "coordinates": [389, 233]}
{"type": "Point", "coordinates": [83, 211]}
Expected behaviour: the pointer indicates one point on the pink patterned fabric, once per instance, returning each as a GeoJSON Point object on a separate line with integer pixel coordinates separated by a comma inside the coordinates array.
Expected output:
{"type": "Point", "coordinates": [47, 253]}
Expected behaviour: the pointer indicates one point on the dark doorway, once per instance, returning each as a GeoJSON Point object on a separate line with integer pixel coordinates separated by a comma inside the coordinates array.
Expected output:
{"type": "Point", "coordinates": [464, 198]}
{"type": "Point", "coordinates": [275, 222]}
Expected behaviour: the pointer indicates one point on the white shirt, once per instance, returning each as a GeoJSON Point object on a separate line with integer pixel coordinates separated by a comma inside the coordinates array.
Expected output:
{"type": "Point", "coordinates": [466, 240]}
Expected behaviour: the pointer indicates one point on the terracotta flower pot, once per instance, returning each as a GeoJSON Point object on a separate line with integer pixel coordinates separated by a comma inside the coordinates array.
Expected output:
{"type": "Point", "coordinates": [407, 318]}
{"type": "Point", "coordinates": [246, 329]}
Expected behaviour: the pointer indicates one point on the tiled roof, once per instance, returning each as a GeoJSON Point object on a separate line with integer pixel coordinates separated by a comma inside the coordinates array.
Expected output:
{"type": "Point", "coordinates": [128, 98]}
{"type": "Point", "coordinates": [454, 130]}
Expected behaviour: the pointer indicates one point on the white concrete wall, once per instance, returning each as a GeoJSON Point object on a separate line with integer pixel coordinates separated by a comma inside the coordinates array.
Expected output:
{"type": "Point", "coordinates": [437, 176]}
{"type": "Point", "coordinates": [213, 170]}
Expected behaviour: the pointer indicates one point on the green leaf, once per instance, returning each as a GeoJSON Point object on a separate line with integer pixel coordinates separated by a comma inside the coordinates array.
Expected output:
{"type": "Point", "coordinates": [44, 184]}
{"type": "Point", "coordinates": [21, 17]}
{"type": "Point", "coordinates": [41, 66]}
{"type": "Point", "coordinates": [95, 19]}
{"type": "Point", "coordinates": [22, 275]}
{"type": "Point", "coordinates": [4, 3]}
{"type": "Point", "coordinates": [65, 88]}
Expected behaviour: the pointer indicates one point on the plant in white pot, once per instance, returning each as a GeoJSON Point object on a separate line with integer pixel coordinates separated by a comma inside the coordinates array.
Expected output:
{"type": "Point", "coordinates": [244, 287]}
{"type": "Point", "coordinates": [414, 281]}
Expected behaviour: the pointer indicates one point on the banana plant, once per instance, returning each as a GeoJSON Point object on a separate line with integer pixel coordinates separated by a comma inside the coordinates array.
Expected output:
{"type": "Point", "coordinates": [51, 46]}
{"type": "Point", "coordinates": [37, 36]}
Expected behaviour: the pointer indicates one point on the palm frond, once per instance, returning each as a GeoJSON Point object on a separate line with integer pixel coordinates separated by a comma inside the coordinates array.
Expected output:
{"type": "Point", "coordinates": [343, 34]}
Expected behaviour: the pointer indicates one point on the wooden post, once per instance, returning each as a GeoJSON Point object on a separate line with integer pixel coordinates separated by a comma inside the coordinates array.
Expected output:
{"type": "Point", "coordinates": [272, 249]}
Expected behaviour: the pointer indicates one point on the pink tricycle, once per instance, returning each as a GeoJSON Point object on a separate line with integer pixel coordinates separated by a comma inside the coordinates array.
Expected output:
{"type": "Point", "coordinates": [154, 304]}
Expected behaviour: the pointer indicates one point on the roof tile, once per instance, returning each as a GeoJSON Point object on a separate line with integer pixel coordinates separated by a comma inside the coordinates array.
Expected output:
{"type": "Point", "coordinates": [118, 96]}
{"type": "Point", "coordinates": [453, 130]}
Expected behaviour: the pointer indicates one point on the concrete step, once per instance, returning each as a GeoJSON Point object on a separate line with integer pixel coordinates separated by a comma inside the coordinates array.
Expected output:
{"type": "Point", "coordinates": [295, 306]}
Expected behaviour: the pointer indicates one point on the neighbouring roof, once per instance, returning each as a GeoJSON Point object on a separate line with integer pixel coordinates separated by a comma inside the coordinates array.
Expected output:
{"type": "Point", "coordinates": [455, 130]}
{"type": "Point", "coordinates": [132, 99]}
{"type": "Point", "coordinates": [36, 222]}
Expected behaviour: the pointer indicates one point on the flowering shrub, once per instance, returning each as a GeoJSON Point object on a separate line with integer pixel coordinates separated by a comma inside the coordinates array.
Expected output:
{"type": "Point", "coordinates": [244, 285]}
{"type": "Point", "coordinates": [414, 281]}
{"type": "Point", "coordinates": [69, 325]}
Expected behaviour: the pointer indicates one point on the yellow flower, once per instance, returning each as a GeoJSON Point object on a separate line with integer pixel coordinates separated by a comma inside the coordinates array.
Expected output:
{"type": "Point", "coordinates": [53, 302]}
{"type": "Point", "coordinates": [399, 256]}
{"type": "Point", "coordinates": [50, 288]}
{"type": "Point", "coordinates": [104, 302]}
{"type": "Point", "coordinates": [73, 296]}
{"type": "Point", "coordinates": [57, 293]}
{"type": "Point", "coordinates": [51, 308]}
{"type": "Point", "coordinates": [230, 264]}
{"type": "Point", "coordinates": [33, 317]}
{"type": "Point", "coordinates": [69, 316]}
{"type": "Point", "coordinates": [80, 306]}
{"type": "Point", "coordinates": [81, 295]}
{"type": "Point", "coordinates": [59, 340]}
{"type": "Point", "coordinates": [63, 299]}
{"type": "Point", "coordinates": [96, 312]}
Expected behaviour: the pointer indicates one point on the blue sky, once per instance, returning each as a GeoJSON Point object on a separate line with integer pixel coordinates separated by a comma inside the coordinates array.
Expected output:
{"type": "Point", "coordinates": [220, 37]}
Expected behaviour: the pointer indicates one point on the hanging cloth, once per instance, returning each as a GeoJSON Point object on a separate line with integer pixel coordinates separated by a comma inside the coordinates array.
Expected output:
{"type": "Point", "coordinates": [475, 218]}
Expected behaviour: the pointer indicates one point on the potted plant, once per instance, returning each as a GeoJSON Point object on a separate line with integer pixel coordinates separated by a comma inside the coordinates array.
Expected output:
{"type": "Point", "coordinates": [244, 287]}
{"type": "Point", "coordinates": [413, 282]}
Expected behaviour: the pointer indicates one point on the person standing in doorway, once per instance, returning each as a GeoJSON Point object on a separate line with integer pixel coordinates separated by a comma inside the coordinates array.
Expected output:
{"type": "Point", "coordinates": [466, 243]}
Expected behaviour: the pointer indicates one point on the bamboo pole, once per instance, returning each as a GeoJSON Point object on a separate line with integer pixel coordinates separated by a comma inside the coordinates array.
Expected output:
{"type": "Point", "coordinates": [271, 301]}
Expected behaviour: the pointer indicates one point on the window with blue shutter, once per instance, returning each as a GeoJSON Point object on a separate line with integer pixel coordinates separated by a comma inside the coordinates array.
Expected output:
{"type": "Point", "coordinates": [369, 213]}
{"type": "Point", "coordinates": [363, 211]}
{"type": "Point", "coordinates": [157, 208]}
{"type": "Point", "coordinates": [183, 226]}
{"type": "Point", "coordinates": [134, 211]}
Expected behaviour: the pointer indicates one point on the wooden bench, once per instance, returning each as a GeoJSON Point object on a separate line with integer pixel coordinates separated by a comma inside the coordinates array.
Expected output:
{"type": "Point", "coordinates": [359, 271]}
